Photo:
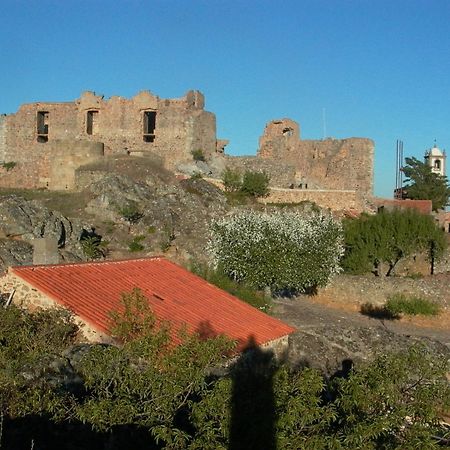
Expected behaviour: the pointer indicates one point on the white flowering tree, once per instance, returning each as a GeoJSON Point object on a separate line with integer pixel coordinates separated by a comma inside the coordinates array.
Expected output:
{"type": "Point", "coordinates": [280, 250]}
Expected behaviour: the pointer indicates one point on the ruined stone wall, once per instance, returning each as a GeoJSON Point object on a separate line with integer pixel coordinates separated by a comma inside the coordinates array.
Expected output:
{"type": "Point", "coordinates": [281, 174]}
{"type": "Point", "coordinates": [342, 164]}
{"type": "Point", "coordinates": [28, 297]}
{"type": "Point", "coordinates": [2, 138]}
{"type": "Point", "coordinates": [181, 126]}
{"type": "Point", "coordinates": [336, 200]}
{"type": "Point", "coordinates": [68, 156]}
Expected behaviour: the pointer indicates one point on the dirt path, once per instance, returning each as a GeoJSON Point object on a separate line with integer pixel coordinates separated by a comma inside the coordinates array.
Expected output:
{"type": "Point", "coordinates": [331, 328]}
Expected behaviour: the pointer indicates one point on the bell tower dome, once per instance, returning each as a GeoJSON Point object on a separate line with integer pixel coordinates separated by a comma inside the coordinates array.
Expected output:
{"type": "Point", "coordinates": [436, 159]}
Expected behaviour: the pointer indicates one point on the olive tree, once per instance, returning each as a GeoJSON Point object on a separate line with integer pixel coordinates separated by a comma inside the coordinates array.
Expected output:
{"type": "Point", "coordinates": [280, 250]}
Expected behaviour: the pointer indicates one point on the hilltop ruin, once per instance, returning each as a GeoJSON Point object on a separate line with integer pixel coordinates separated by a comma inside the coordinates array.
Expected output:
{"type": "Point", "coordinates": [46, 145]}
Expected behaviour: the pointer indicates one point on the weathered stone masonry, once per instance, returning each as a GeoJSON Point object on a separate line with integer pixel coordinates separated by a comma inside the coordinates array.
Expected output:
{"type": "Point", "coordinates": [43, 138]}
{"type": "Point", "coordinates": [51, 142]}
{"type": "Point", "coordinates": [338, 164]}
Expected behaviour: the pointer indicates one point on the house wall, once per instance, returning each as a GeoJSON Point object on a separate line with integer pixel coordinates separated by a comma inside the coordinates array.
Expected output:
{"type": "Point", "coordinates": [27, 296]}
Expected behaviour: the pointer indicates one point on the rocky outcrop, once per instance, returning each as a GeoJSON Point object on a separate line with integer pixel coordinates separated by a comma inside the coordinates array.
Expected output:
{"type": "Point", "coordinates": [22, 221]}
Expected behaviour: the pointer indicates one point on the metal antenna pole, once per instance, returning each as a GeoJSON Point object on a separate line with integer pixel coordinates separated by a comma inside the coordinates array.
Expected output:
{"type": "Point", "coordinates": [396, 170]}
{"type": "Point", "coordinates": [324, 123]}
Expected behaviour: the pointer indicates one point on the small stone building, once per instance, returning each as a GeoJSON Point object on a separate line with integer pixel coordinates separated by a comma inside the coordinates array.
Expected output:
{"type": "Point", "coordinates": [92, 290]}
{"type": "Point", "coordinates": [48, 141]}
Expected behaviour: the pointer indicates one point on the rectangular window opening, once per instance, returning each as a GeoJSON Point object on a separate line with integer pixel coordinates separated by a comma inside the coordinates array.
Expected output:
{"type": "Point", "coordinates": [91, 122]}
{"type": "Point", "coordinates": [42, 126]}
{"type": "Point", "coordinates": [149, 126]}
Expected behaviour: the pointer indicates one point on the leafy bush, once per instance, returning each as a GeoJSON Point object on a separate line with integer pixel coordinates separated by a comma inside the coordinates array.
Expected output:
{"type": "Point", "coordinates": [394, 402]}
{"type": "Point", "coordinates": [232, 180]}
{"type": "Point", "coordinates": [255, 184]}
{"type": "Point", "coordinates": [131, 213]}
{"type": "Point", "coordinates": [93, 247]}
{"type": "Point", "coordinates": [198, 155]}
{"type": "Point", "coordinates": [240, 290]}
{"type": "Point", "coordinates": [196, 176]}
{"type": "Point", "coordinates": [386, 238]}
{"type": "Point", "coordinates": [411, 305]}
{"type": "Point", "coordinates": [136, 244]}
{"type": "Point", "coordinates": [282, 250]}
{"type": "Point", "coordinates": [9, 165]}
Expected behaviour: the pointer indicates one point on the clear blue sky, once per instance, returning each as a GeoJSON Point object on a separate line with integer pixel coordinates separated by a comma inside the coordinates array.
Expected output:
{"type": "Point", "coordinates": [379, 68]}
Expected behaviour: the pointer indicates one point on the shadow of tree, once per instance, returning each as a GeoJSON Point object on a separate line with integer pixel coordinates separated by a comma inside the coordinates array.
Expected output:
{"type": "Point", "coordinates": [42, 433]}
{"type": "Point", "coordinates": [377, 312]}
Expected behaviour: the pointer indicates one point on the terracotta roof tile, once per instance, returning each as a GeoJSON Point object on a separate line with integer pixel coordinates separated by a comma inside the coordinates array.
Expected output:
{"type": "Point", "coordinates": [92, 290]}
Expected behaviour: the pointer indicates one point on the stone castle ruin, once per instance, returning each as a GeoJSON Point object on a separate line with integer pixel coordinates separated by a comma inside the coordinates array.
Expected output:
{"type": "Point", "coordinates": [43, 145]}
{"type": "Point", "coordinates": [48, 141]}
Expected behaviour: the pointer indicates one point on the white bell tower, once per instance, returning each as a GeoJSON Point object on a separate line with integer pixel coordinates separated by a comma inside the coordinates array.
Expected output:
{"type": "Point", "coordinates": [436, 159]}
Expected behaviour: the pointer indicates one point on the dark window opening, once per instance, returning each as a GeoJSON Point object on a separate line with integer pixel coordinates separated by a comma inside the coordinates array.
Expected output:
{"type": "Point", "coordinates": [149, 126]}
{"type": "Point", "coordinates": [42, 126]}
{"type": "Point", "coordinates": [437, 164]}
{"type": "Point", "coordinates": [91, 122]}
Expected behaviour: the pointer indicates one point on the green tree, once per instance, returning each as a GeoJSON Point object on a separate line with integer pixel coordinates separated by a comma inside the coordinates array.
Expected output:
{"type": "Point", "coordinates": [232, 180]}
{"type": "Point", "coordinates": [255, 184]}
{"type": "Point", "coordinates": [148, 381]}
{"type": "Point", "coordinates": [282, 250]}
{"type": "Point", "coordinates": [423, 184]}
{"type": "Point", "coordinates": [388, 237]}
{"type": "Point", "coordinates": [394, 402]}
{"type": "Point", "coordinates": [31, 366]}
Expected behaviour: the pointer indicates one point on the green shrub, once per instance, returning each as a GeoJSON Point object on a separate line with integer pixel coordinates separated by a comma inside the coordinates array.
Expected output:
{"type": "Point", "coordinates": [9, 165]}
{"type": "Point", "coordinates": [196, 176]}
{"type": "Point", "coordinates": [93, 247]}
{"type": "Point", "coordinates": [388, 237]}
{"type": "Point", "coordinates": [136, 244]}
{"type": "Point", "coordinates": [151, 229]}
{"type": "Point", "coordinates": [240, 290]}
{"type": "Point", "coordinates": [198, 155]}
{"type": "Point", "coordinates": [131, 213]}
{"type": "Point", "coordinates": [255, 184]}
{"type": "Point", "coordinates": [283, 250]}
{"type": "Point", "coordinates": [232, 180]}
{"type": "Point", "coordinates": [411, 305]}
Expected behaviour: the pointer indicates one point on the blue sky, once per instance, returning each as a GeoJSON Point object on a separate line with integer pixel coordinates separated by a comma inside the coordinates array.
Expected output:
{"type": "Point", "coordinates": [379, 68]}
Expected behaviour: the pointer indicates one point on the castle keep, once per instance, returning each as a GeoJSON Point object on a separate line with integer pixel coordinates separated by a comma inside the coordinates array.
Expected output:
{"type": "Point", "coordinates": [46, 139]}
{"type": "Point", "coordinates": [47, 144]}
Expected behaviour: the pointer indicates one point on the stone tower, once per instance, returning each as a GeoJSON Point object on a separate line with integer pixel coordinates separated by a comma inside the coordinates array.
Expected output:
{"type": "Point", "coordinates": [436, 158]}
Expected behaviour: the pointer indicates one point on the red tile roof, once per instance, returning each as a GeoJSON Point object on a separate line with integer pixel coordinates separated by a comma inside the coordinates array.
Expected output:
{"type": "Point", "coordinates": [92, 290]}
{"type": "Point", "coordinates": [423, 206]}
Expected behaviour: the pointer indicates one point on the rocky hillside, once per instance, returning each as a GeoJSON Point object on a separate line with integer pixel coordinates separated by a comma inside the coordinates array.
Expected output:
{"type": "Point", "coordinates": [134, 208]}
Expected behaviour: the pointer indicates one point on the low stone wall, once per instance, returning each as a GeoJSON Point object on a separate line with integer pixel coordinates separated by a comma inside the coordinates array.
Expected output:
{"type": "Point", "coordinates": [28, 297]}
{"type": "Point", "coordinates": [334, 200]}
